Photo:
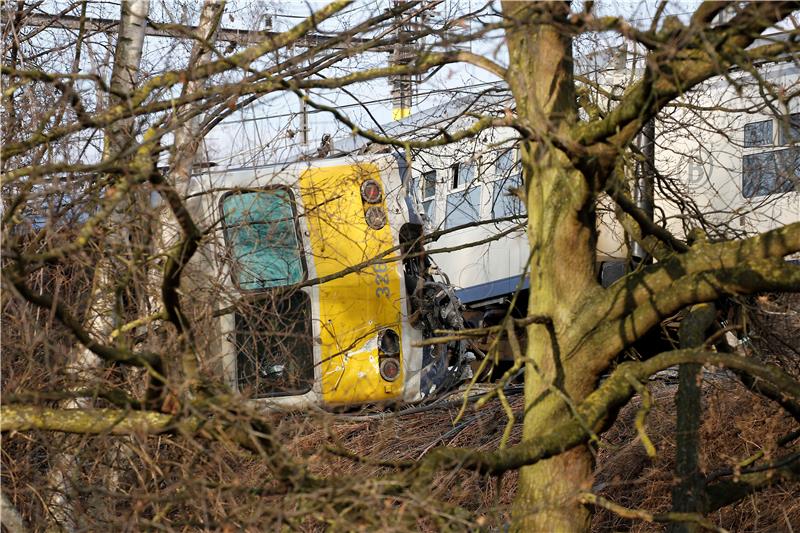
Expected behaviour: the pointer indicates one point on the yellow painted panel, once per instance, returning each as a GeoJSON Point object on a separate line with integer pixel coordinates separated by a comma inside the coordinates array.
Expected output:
{"type": "Point", "coordinates": [355, 307]}
{"type": "Point", "coordinates": [399, 113]}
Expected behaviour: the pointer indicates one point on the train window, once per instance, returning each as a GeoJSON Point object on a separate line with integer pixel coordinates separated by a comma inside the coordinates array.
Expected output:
{"type": "Point", "coordinates": [429, 195]}
{"type": "Point", "coordinates": [504, 202]}
{"type": "Point", "coordinates": [758, 134]}
{"type": "Point", "coordinates": [770, 172]}
{"type": "Point", "coordinates": [509, 175]}
{"type": "Point", "coordinates": [274, 345]}
{"type": "Point", "coordinates": [463, 207]}
{"type": "Point", "coordinates": [790, 129]}
{"type": "Point", "coordinates": [789, 168]}
{"type": "Point", "coordinates": [261, 233]}
{"type": "Point", "coordinates": [429, 208]}
{"type": "Point", "coordinates": [463, 175]}
{"type": "Point", "coordinates": [428, 190]}
{"type": "Point", "coordinates": [507, 163]}
{"type": "Point", "coordinates": [429, 184]}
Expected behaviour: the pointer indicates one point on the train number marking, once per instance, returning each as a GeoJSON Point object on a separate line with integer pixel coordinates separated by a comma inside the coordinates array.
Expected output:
{"type": "Point", "coordinates": [383, 291]}
{"type": "Point", "coordinates": [381, 280]}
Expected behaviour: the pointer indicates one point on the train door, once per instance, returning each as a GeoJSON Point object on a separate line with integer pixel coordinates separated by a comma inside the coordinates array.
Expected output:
{"type": "Point", "coordinates": [273, 337]}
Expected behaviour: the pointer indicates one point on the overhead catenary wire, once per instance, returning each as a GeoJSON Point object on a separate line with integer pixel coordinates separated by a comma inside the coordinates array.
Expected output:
{"type": "Point", "coordinates": [388, 99]}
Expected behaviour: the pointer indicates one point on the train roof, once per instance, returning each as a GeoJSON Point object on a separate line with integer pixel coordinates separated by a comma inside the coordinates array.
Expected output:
{"type": "Point", "coordinates": [495, 99]}
{"type": "Point", "coordinates": [431, 121]}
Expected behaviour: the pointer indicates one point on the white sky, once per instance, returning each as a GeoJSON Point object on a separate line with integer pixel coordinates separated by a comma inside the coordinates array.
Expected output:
{"type": "Point", "coordinates": [253, 126]}
{"type": "Point", "coordinates": [259, 133]}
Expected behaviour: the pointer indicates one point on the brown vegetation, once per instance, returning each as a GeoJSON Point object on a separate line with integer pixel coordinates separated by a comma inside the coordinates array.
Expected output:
{"type": "Point", "coordinates": [737, 425]}
{"type": "Point", "coordinates": [218, 487]}
{"type": "Point", "coordinates": [181, 483]}
{"type": "Point", "coordinates": [96, 309]}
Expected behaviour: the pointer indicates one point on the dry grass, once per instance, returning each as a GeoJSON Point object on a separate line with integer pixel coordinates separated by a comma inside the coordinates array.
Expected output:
{"type": "Point", "coordinates": [180, 484]}
{"type": "Point", "coordinates": [189, 485]}
{"type": "Point", "coordinates": [736, 425]}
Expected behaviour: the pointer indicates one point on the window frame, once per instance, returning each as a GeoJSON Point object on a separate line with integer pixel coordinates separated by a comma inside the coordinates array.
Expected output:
{"type": "Point", "coordinates": [503, 177]}
{"type": "Point", "coordinates": [462, 189]}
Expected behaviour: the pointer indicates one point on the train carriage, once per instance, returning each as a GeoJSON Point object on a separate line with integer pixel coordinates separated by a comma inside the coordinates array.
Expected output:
{"type": "Point", "coordinates": [325, 294]}
{"type": "Point", "coordinates": [332, 339]}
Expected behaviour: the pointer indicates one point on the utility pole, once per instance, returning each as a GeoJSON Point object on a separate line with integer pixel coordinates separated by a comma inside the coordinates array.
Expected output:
{"type": "Point", "coordinates": [303, 122]}
{"type": "Point", "coordinates": [404, 52]}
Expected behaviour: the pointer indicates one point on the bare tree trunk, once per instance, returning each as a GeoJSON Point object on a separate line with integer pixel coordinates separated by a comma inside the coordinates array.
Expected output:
{"type": "Point", "coordinates": [188, 138]}
{"type": "Point", "coordinates": [188, 134]}
{"type": "Point", "coordinates": [100, 316]}
{"type": "Point", "coordinates": [127, 59]}
{"type": "Point", "coordinates": [561, 232]}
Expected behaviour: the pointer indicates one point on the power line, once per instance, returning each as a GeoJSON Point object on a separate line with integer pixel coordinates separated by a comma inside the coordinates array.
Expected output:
{"type": "Point", "coordinates": [240, 37]}
{"type": "Point", "coordinates": [387, 99]}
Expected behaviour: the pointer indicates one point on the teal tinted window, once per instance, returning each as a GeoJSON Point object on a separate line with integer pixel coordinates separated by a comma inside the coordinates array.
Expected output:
{"type": "Point", "coordinates": [261, 233]}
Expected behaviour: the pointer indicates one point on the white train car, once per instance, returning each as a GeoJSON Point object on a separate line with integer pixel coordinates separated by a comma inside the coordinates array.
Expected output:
{"type": "Point", "coordinates": [737, 158]}
{"type": "Point", "coordinates": [471, 194]}
{"type": "Point", "coordinates": [726, 162]}
{"type": "Point", "coordinates": [315, 285]}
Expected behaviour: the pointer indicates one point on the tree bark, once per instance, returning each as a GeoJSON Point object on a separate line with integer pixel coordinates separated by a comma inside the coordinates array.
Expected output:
{"type": "Point", "coordinates": [188, 134]}
{"type": "Point", "coordinates": [187, 140]}
{"type": "Point", "coordinates": [561, 232]}
{"type": "Point", "coordinates": [125, 73]}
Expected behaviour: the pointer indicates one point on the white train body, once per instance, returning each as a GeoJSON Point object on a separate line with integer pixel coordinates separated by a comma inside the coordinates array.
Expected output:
{"type": "Point", "coordinates": [741, 167]}
{"type": "Point", "coordinates": [473, 186]}
{"type": "Point", "coordinates": [733, 173]}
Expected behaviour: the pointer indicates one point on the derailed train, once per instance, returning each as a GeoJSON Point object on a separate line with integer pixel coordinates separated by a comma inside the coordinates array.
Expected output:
{"type": "Point", "coordinates": [326, 294]}
{"type": "Point", "coordinates": [329, 292]}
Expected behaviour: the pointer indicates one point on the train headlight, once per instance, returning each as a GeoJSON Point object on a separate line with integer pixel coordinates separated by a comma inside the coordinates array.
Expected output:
{"type": "Point", "coordinates": [375, 217]}
{"type": "Point", "coordinates": [389, 342]}
{"type": "Point", "coordinates": [371, 192]}
{"type": "Point", "coordinates": [390, 368]}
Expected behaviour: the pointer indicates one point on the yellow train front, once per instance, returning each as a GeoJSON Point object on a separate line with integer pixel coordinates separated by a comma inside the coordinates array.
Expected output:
{"type": "Point", "coordinates": [315, 305]}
